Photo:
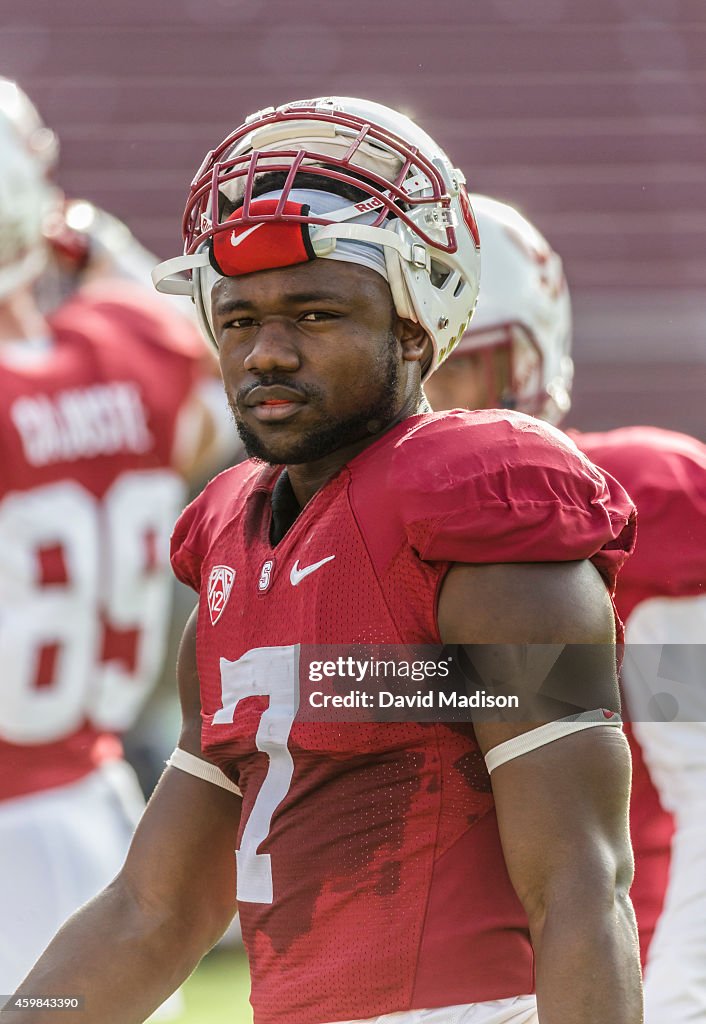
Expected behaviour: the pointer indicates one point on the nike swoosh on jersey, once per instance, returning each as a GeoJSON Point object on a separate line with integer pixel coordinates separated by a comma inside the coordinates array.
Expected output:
{"type": "Point", "coordinates": [237, 239]}
{"type": "Point", "coordinates": [297, 574]}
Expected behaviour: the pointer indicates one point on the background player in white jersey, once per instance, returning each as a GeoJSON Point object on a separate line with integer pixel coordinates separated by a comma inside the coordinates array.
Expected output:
{"type": "Point", "coordinates": [518, 354]}
{"type": "Point", "coordinates": [102, 417]}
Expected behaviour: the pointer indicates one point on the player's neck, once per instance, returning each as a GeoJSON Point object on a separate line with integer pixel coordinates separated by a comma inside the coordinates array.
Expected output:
{"type": "Point", "coordinates": [20, 318]}
{"type": "Point", "coordinates": [308, 478]}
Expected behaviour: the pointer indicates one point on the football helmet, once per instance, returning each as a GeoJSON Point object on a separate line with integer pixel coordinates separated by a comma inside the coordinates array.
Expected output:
{"type": "Point", "coordinates": [524, 308]}
{"type": "Point", "coordinates": [21, 114]}
{"type": "Point", "coordinates": [413, 204]}
{"type": "Point", "coordinates": [26, 200]}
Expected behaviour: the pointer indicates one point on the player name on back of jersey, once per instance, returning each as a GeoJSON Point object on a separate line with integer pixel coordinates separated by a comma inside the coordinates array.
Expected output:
{"type": "Point", "coordinates": [82, 423]}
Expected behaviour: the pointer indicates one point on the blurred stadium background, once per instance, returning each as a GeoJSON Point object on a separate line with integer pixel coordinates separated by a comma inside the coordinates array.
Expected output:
{"type": "Point", "coordinates": [591, 117]}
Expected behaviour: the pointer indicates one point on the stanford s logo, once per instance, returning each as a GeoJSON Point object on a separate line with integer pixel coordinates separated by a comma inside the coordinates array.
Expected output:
{"type": "Point", "coordinates": [220, 584]}
{"type": "Point", "coordinates": [266, 575]}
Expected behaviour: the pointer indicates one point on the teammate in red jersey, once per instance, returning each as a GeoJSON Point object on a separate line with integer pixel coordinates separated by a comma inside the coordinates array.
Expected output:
{"type": "Point", "coordinates": [518, 354]}
{"type": "Point", "coordinates": [433, 870]}
{"type": "Point", "coordinates": [85, 245]}
{"type": "Point", "coordinates": [101, 418]}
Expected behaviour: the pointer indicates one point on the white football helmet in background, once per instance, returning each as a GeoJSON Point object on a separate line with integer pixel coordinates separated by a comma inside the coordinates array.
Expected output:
{"type": "Point", "coordinates": [18, 110]}
{"type": "Point", "coordinates": [422, 214]}
{"type": "Point", "coordinates": [26, 200]}
{"type": "Point", "coordinates": [524, 308]}
{"type": "Point", "coordinates": [85, 242]}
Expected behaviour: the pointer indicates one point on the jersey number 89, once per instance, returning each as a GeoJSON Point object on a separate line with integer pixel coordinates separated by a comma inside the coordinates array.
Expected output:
{"type": "Point", "coordinates": [108, 572]}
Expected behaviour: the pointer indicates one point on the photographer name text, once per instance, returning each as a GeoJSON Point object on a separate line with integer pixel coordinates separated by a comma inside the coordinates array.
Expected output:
{"type": "Point", "coordinates": [419, 699]}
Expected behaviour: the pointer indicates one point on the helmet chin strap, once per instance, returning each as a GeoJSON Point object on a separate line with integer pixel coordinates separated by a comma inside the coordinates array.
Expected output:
{"type": "Point", "coordinates": [398, 286]}
{"type": "Point", "coordinates": [167, 276]}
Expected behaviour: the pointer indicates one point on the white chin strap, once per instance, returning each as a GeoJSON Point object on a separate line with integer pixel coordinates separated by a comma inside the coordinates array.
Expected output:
{"type": "Point", "coordinates": [167, 276]}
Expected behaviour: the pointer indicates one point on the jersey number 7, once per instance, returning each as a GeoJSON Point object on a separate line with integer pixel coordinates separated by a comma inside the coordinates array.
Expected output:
{"type": "Point", "coordinates": [263, 672]}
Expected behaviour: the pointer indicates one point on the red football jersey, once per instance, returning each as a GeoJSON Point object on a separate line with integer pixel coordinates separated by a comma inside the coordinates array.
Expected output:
{"type": "Point", "coordinates": [87, 502]}
{"type": "Point", "coordinates": [370, 873]}
{"type": "Point", "coordinates": [665, 475]}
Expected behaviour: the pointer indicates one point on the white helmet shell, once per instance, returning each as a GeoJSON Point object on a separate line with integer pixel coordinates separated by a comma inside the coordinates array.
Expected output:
{"type": "Point", "coordinates": [424, 219]}
{"type": "Point", "coordinates": [18, 110]}
{"type": "Point", "coordinates": [524, 302]}
{"type": "Point", "coordinates": [26, 199]}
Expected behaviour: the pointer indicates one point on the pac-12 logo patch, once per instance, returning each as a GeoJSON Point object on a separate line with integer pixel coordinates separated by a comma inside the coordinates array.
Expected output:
{"type": "Point", "coordinates": [220, 584]}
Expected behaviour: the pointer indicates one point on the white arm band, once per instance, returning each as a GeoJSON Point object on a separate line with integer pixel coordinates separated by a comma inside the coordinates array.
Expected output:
{"type": "Point", "coordinates": [193, 765]}
{"type": "Point", "coordinates": [544, 734]}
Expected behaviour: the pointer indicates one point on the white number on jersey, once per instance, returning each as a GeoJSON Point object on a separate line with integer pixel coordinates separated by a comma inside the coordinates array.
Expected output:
{"type": "Point", "coordinates": [263, 672]}
{"type": "Point", "coordinates": [107, 579]}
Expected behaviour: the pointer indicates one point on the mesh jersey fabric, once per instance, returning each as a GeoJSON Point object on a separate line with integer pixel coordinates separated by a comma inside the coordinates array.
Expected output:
{"type": "Point", "coordinates": [389, 888]}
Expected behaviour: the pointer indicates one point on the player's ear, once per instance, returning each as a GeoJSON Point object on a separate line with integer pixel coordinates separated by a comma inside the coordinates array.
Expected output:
{"type": "Point", "coordinates": [414, 341]}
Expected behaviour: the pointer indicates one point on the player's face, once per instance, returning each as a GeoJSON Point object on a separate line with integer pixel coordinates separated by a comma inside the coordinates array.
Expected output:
{"type": "Point", "coordinates": [459, 383]}
{"type": "Point", "coordinates": [470, 380]}
{"type": "Point", "coordinates": [311, 356]}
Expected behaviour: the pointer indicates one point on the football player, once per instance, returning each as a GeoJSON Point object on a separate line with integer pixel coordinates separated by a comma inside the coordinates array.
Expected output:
{"type": "Point", "coordinates": [428, 871]}
{"type": "Point", "coordinates": [517, 354]}
{"type": "Point", "coordinates": [86, 244]}
{"type": "Point", "coordinates": [105, 413]}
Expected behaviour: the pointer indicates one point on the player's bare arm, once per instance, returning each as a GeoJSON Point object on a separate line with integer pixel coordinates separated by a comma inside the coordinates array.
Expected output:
{"type": "Point", "coordinates": [131, 946]}
{"type": "Point", "coordinates": [562, 808]}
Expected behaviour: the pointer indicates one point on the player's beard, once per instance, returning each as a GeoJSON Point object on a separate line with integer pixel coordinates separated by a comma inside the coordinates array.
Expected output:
{"type": "Point", "coordinates": [331, 434]}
